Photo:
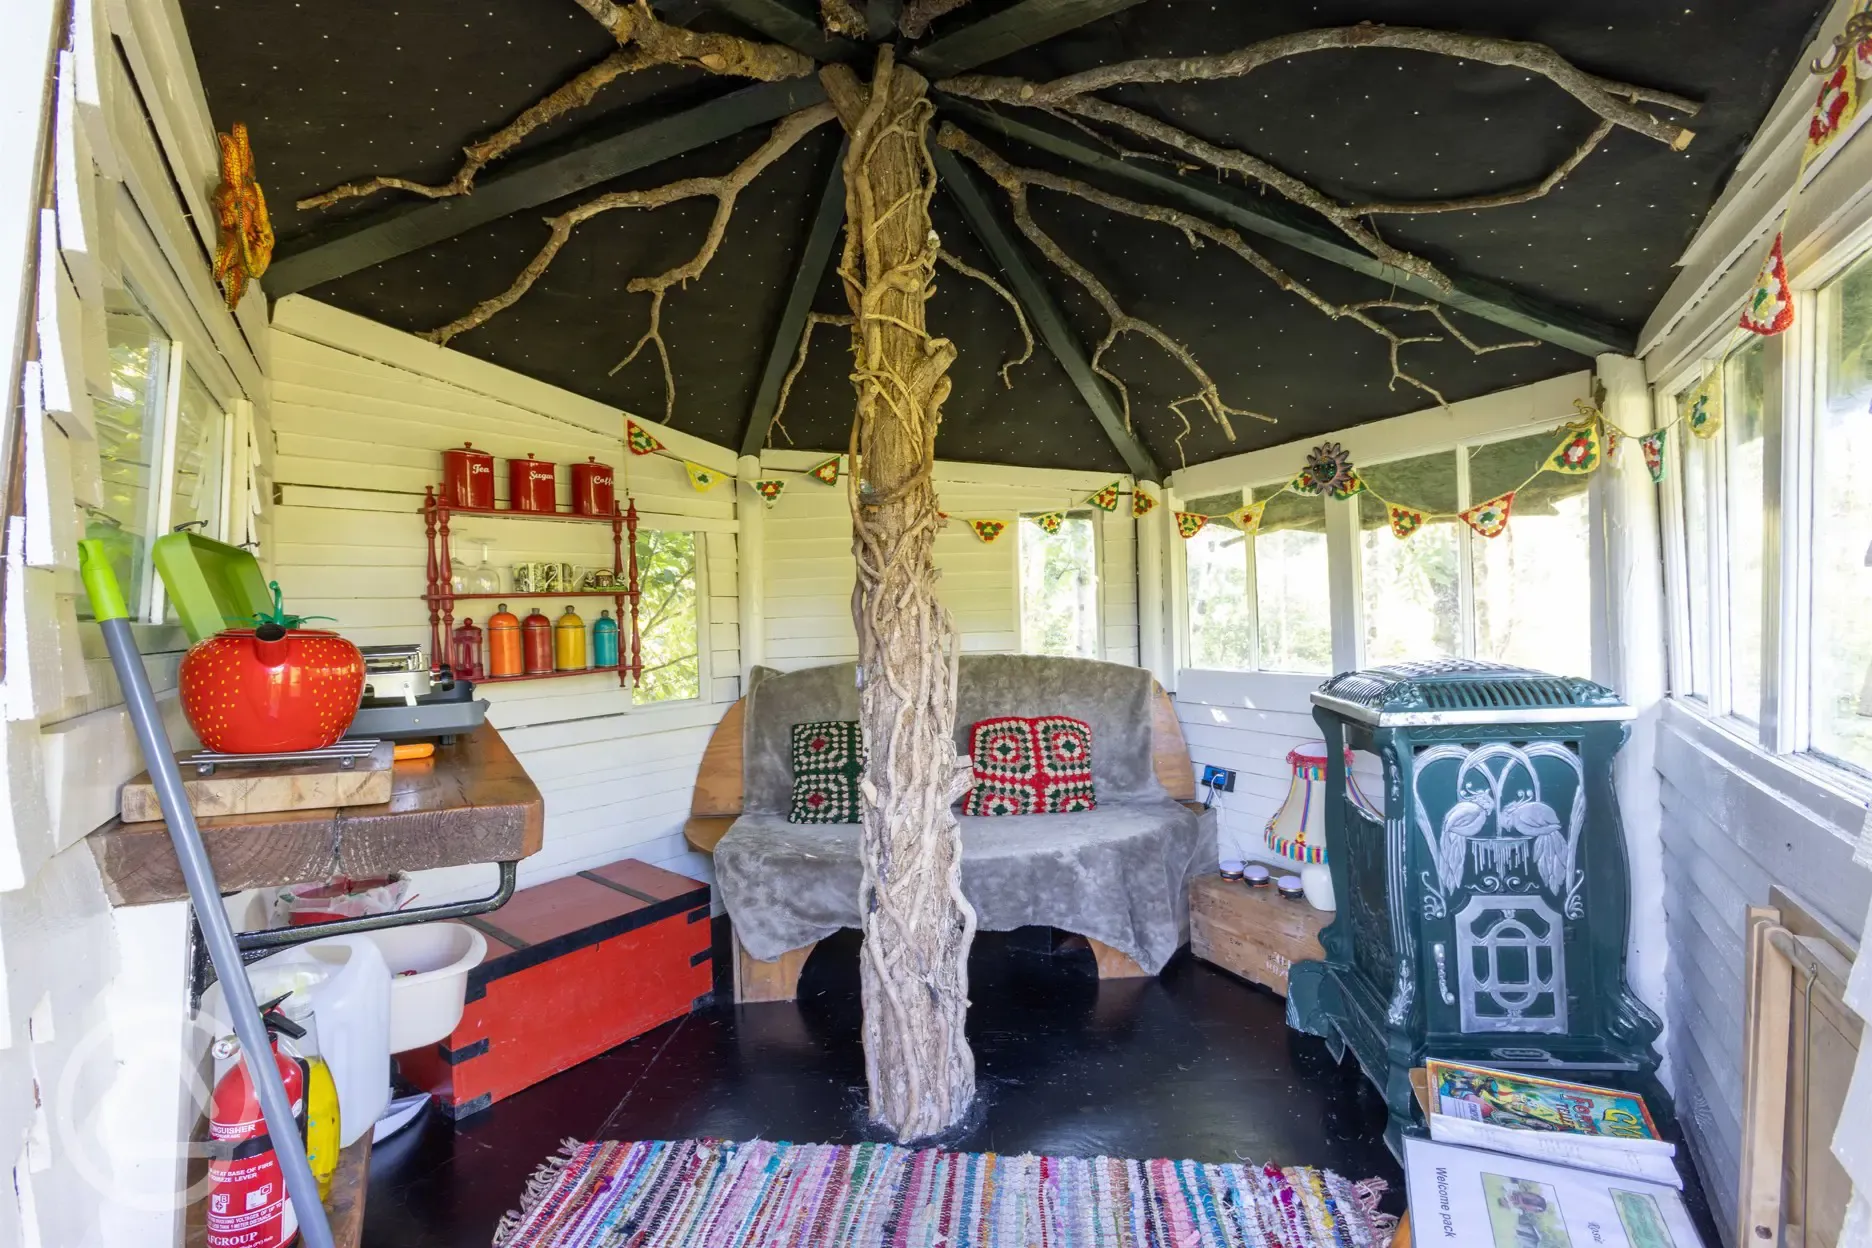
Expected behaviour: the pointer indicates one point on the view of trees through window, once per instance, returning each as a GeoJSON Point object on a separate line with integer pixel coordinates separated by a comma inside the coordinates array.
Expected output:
{"type": "Point", "coordinates": [668, 616]}
{"type": "Point", "coordinates": [130, 435]}
{"type": "Point", "coordinates": [1285, 626]}
{"type": "Point", "coordinates": [1413, 588]}
{"type": "Point", "coordinates": [1842, 520]}
{"type": "Point", "coordinates": [1059, 598]}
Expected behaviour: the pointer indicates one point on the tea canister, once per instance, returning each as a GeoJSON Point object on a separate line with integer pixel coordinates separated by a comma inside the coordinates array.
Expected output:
{"type": "Point", "coordinates": [530, 484]}
{"type": "Point", "coordinates": [569, 642]}
{"type": "Point", "coordinates": [604, 641]}
{"type": "Point", "coordinates": [467, 477]}
{"type": "Point", "coordinates": [503, 644]}
{"type": "Point", "coordinates": [536, 642]}
{"type": "Point", "coordinates": [465, 650]}
{"type": "Point", "coordinates": [592, 491]}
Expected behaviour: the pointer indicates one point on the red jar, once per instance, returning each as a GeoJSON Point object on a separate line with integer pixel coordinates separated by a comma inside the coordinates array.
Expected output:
{"type": "Point", "coordinates": [536, 643]}
{"type": "Point", "coordinates": [467, 477]}
{"type": "Point", "coordinates": [530, 484]}
{"type": "Point", "coordinates": [592, 491]}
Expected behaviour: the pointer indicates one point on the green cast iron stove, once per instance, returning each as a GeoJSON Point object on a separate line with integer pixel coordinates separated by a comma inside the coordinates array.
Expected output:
{"type": "Point", "coordinates": [1484, 918]}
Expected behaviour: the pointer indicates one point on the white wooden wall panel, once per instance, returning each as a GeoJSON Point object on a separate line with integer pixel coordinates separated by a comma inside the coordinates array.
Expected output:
{"type": "Point", "coordinates": [360, 417]}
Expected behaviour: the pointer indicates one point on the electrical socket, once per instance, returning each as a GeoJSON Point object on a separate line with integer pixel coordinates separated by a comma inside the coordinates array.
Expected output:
{"type": "Point", "coordinates": [1221, 779]}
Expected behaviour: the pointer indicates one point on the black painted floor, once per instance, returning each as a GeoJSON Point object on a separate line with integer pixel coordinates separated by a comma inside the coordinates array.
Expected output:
{"type": "Point", "coordinates": [1194, 1063]}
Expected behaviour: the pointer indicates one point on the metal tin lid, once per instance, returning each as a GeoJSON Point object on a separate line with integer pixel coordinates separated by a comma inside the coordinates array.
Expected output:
{"type": "Point", "coordinates": [1466, 691]}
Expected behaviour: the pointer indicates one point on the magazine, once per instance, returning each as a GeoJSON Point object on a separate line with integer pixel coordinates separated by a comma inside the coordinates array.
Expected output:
{"type": "Point", "coordinates": [1574, 1124]}
{"type": "Point", "coordinates": [1478, 1199]}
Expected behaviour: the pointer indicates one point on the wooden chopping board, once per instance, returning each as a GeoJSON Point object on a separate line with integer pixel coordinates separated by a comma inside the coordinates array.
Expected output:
{"type": "Point", "coordinates": [255, 788]}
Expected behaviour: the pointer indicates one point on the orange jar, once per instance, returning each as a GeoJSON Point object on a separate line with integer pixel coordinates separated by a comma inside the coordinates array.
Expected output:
{"type": "Point", "coordinates": [503, 643]}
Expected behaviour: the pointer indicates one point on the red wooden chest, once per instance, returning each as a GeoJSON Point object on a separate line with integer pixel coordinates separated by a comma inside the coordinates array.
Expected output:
{"type": "Point", "coordinates": [574, 967]}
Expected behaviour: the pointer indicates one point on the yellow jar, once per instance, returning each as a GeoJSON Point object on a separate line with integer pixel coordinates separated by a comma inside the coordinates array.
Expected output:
{"type": "Point", "coordinates": [569, 642]}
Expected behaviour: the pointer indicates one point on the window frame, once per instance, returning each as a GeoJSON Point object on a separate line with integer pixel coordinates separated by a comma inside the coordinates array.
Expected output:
{"type": "Point", "coordinates": [1094, 517]}
{"type": "Point", "coordinates": [704, 625]}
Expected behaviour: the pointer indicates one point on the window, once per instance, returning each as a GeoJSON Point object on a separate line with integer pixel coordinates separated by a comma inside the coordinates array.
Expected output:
{"type": "Point", "coordinates": [130, 437]}
{"type": "Point", "coordinates": [1413, 585]}
{"type": "Point", "coordinates": [1286, 626]}
{"type": "Point", "coordinates": [1841, 676]}
{"type": "Point", "coordinates": [1743, 446]}
{"type": "Point", "coordinates": [1533, 599]}
{"type": "Point", "coordinates": [1059, 595]}
{"type": "Point", "coordinates": [198, 481]}
{"type": "Point", "coordinates": [669, 620]}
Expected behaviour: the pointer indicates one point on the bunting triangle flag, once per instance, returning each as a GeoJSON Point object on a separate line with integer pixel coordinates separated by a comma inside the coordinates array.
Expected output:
{"type": "Point", "coordinates": [1190, 523]}
{"type": "Point", "coordinates": [987, 530]}
{"type": "Point", "coordinates": [702, 478]}
{"type": "Point", "coordinates": [1249, 517]}
{"type": "Point", "coordinates": [1050, 522]}
{"type": "Point", "coordinates": [1141, 503]}
{"type": "Point", "coordinates": [1491, 517]}
{"type": "Point", "coordinates": [1404, 521]}
{"type": "Point", "coordinates": [1106, 499]}
{"type": "Point", "coordinates": [1579, 452]}
{"type": "Point", "coordinates": [1833, 107]}
{"type": "Point", "coordinates": [640, 440]}
{"type": "Point", "coordinates": [1354, 484]}
{"type": "Point", "coordinates": [1614, 443]}
{"type": "Point", "coordinates": [1769, 308]}
{"type": "Point", "coordinates": [770, 488]}
{"type": "Point", "coordinates": [1652, 444]}
{"type": "Point", "coordinates": [1703, 408]}
{"type": "Point", "coordinates": [826, 473]}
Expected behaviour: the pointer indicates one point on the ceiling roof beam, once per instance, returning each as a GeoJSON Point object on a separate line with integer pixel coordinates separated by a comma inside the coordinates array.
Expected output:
{"type": "Point", "coordinates": [1043, 311]}
{"type": "Point", "coordinates": [583, 162]}
{"type": "Point", "coordinates": [792, 22]}
{"type": "Point", "coordinates": [881, 18]}
{"type": "Point", "coordinates": [808, 276]}
{"type": "Point", "coordinates": [1274, 218]}
{"type": "Point", "coordinates": [1019, 26]}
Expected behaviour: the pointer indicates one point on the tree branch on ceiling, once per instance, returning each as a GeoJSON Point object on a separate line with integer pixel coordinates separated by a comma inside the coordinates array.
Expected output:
{"type": "Point", "coordinates": [645, 42]}
{"type": "Point", "coordinates": [724, 189]}
{"type": "Point", "coordinates": [1012, 178]}
{"type": "Point", "coordinates": [918, 14]}
{"type": "Point", "coordinates": [1617, 104]}
{"type": "Point", "coordinates": [1020, 317]}
{"type": "Point", "coordinates": [799, 362]}
{"type": "Point", "coordinates": [842, 18]}
{"type": "Point", "coordinates": [1500, 199]}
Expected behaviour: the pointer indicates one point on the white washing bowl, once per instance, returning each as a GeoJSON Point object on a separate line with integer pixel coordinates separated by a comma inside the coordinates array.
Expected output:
{"type": "Point", "coordinates": [429, 965]}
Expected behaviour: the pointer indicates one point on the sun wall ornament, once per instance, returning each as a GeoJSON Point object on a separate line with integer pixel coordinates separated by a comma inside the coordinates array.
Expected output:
{"type": "Point", "coordinates": [988, 530]}
{"type": "Point", "coordinates": [1328, 470]}
{"type": "Point", "coordinates": [1491, 517]}
{"type": "Point", "coordinates": [1106, 499]}
{"type": "Point", "coordinates": [640, 440]}
{"type": "Point", "coordinates": [1141, 503]}
{"type": "Point", "coordinates": [245, 246]}
{"type": "Point", "coordinates": [1404, 521]}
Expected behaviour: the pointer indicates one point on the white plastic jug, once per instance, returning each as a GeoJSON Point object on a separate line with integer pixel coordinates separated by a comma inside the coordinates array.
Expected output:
{"type": "Point", "coordinates": [344, 984]}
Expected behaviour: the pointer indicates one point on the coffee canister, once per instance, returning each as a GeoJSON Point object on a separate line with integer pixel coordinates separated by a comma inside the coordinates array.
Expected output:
{"type": "Point", "coordinates": [530, 484]}
{"type": "Point", "coordinates": [536, 643]}
{"type": "Point", "coordinates": [503, 644]}
{"type": "Point", "coordinates": [604, 641]}
{"type": "Point", "coordinates": [467, 477]}
{"type": "Point", "coordinates": [592, 491]}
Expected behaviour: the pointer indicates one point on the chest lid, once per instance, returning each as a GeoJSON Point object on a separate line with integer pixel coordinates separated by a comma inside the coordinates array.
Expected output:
{"type": "Point", "coordinates": [1466, 691]}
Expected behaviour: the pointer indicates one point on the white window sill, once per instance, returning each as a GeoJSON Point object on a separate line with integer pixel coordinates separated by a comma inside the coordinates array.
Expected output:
{"type": "Point", "coordinates": [1278, 691]}
{"type": "Point", "coordinates": [1833, 795]}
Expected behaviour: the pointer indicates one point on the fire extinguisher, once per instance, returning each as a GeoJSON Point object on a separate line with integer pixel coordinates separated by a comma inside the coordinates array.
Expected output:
{"type": "Point", "coordinates": [247, 1202]}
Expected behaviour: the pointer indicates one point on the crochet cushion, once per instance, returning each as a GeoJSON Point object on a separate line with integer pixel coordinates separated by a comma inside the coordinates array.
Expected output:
{"type": "Point", "coordinates": [1032, 766]}
{"type": "Point", "coordinates": [828, 756]}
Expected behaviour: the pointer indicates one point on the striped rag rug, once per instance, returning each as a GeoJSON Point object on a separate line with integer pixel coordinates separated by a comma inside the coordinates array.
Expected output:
{"type": "Point", "coordinates": [712, 1194]}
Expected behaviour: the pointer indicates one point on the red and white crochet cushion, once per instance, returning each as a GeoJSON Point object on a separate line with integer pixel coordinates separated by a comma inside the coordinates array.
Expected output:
{"type": "Point", "coordinates": [1030, 766]}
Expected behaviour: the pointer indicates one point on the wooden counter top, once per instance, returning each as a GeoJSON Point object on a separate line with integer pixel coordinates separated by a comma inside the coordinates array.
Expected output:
{"type": "Point", "coordinates": [472, 802]}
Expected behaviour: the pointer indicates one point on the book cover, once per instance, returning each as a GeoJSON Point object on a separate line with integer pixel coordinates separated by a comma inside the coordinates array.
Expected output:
{"type": "Point", "coordinates": [1529, 1103]}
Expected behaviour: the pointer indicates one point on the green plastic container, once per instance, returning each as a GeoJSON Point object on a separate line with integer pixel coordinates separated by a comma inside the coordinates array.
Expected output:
{"type": "Point", "coordinates": [213, 585]}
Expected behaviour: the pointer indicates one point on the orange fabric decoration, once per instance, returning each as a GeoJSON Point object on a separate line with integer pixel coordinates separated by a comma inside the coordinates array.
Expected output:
{"type": "Point", "coordinates": [245, 246]}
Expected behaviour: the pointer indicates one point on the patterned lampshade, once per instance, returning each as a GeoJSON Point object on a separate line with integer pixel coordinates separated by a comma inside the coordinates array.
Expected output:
{"type": "Point", "coordinates": [1297, 832]}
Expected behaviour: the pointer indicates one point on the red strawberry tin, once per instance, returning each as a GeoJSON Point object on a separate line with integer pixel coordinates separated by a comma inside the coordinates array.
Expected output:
{"type": "Point", "coordinates": [592, 491]}
{"type": "Point", "coordinates": [530, 484]}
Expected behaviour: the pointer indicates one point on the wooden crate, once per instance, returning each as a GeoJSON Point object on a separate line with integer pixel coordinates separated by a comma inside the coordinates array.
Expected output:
{"type": "Point", "coordinates": [1254, 932]}
{"type": "Point", "coordinates": [574, 967]}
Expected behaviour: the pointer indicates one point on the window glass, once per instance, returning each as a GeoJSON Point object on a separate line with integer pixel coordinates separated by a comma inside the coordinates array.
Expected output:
{"type": "Point", "coordinates": [1221, 624]}
{"type": "Point", "coordinates": [1059, 588]}
{"type": "Point", "coordinates": [667, 616]}
{"type": "Point", "coordinates": [1533, 596]}
{"type": "Point", "coordinates": [1842, 520]}
{"type": "Point", "coordinates": [129, 432]}
{"type": "Point", "coordinates": [1412, 586]}
{"type": "Point", "coordinates": [1697, 457]}
{"type": "Point", "coordinates": [200, 475]}
{"type": "Point", "coordinates": [1292, 616]}
{"type": "Point", "coordinates": [1744, 386]}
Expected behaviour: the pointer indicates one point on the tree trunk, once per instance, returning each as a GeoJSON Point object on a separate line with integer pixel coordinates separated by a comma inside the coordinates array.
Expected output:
{"type": "Point", "coordinates": [917, 925]}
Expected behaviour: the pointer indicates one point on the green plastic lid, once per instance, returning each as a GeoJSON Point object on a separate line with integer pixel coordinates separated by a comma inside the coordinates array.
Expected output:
{"type": "Point", "coordinates": [213, 585]}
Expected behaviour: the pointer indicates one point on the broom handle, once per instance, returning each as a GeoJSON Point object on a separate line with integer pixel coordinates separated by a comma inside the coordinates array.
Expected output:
{"type": "Point", "coordinates": [107, 605]}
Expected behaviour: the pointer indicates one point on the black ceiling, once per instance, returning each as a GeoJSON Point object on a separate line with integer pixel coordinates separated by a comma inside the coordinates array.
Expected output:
{"type": "Point", "coordinates": [341, 89]}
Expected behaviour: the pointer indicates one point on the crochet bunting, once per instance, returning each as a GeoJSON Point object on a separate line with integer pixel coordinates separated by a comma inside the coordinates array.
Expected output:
{"type": "Point", "coordinates": [826, 473]}
{"type": "Point", "coordinates": [640, 440]}
{"type": "Point", "coordinates": [1190, 523]}
{"type": "Point", "coordinates": [1106, 499]}
{"type": "Point", "coordinates": [1614, 443]}
{"type": "Point", "coordinates": [1652, 444]}
{"type": "Point", "coordinates": [702, 478]}
{"type": "Point", "coordinates": [770, 488]}
{"type": "Point", "coordinates": [1404, 521]}
{"type": "Point", "coordinates": [1770, 306]}
{"type": "Point", "coordinates": [1703, 406]}
{"type": "Point", "coordinates": [1354, 485]}
{"type": "Point", "coordinates": [1050, 522]}
{"type": "Point", "coordinates": [1579, 452]}
{"type": "Point", "coordinates": [1141, 503]}
{"type": "Point", "coordinates": [1833, 108]}
{"type": "Point", "coordinates": [1249, 517]}
{"type": "Point", "coordinates": [987, 530]}
{"type": "Point", "coordinates": [1491, 517]}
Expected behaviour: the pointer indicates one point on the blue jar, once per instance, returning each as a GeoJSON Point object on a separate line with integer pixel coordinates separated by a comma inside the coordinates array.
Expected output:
{"type": "Point", "coordinates": [604, 641]}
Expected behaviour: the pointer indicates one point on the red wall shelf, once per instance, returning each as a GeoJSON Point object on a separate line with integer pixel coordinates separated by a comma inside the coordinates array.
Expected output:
{"type": "Point", "coordinates": [583, 671]}
{"type": "Point", "coordinates": [528, 595]}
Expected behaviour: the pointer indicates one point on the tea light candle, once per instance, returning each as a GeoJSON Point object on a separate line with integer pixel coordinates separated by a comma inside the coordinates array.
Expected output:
{"type": "Point", "coordinates": [1255, 875]}
{"type": "Point", "coordinates": [1232, 870]}
{"type": "Point", "coordinates": [1290, 887]}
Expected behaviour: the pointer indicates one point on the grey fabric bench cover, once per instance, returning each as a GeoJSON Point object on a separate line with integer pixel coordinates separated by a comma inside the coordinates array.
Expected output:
{"type": "Point", "coordinates": [1119, 874]}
